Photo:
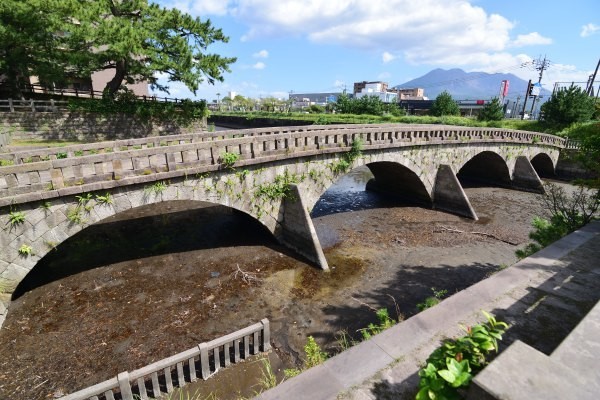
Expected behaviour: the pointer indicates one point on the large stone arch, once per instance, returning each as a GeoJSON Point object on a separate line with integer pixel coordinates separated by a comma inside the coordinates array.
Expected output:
{"type": "Point", "coordinates": [395, 179]}
{"type": "Point", "coordinates": [543, 165]}
{"type": "Point", "coordinates": [487, 166]}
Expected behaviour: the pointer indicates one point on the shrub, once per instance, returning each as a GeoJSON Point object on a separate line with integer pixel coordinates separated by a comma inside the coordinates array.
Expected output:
{"type": "Point", "coordinates": [568, 105]}
{"type": "Point", "coordinates": [444, 104]}
{"type": "Point", "coordinates": [492, 111]}
{"type": "Point", "coordinates": [453, 365]}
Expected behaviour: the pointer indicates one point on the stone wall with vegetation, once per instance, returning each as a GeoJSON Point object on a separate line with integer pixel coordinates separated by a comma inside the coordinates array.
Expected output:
{"type": "Point", "coordinates": [81, 126]}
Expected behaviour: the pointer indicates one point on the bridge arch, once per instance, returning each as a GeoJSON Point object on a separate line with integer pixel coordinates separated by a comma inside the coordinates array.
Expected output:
{"type": "Point", "coordinates": [486, 166]}
{"type": "Point", "coordinates": [543, 165]}
{"type": "Point", "coordinates": [397, 180]}
{"type": "Point", "coordinates": [158, 228]}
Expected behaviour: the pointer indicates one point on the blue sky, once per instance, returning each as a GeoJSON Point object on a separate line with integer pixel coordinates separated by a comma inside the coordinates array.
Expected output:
{"type": "Point", "coordinates": [324, 45]}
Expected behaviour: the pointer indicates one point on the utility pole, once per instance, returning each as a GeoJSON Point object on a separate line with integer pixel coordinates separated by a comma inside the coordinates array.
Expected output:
{"type": "Point", "coordinates": [590, 87]}
{"type": "Point", "coordinates": [541, 66]}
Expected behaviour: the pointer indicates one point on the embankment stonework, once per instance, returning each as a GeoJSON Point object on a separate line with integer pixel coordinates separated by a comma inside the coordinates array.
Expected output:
{"type": "Point", "coordinates": [85, 126]}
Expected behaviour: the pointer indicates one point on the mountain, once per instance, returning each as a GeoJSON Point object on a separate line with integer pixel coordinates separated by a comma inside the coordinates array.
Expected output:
{"type": "Point", "coordinates": [469, 85]}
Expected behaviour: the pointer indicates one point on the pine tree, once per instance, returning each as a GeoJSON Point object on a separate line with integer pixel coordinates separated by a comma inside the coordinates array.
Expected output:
{"type": "Point", "coordinates": [492, 111]}
{"type": "Point", "coordinates": [567, 106]}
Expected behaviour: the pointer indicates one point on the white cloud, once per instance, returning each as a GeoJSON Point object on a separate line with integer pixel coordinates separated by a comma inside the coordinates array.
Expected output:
{"type": "Point", "coordinates": [200, 8]}
{"type": "Point", "coordinates": [530, 39]}
{"type": "Point", "coordinates": [339, 84]}
{"type": "Point", "coordinates": [259, 65]}
{"type": "Point", "coordinates": [261, 54]}
{"type": "Point", "coordinates": [384, 75]}
{"type": "Point", "coordinates": [589, 29]}
{"type": "Point", "coordinates": [387, 57]}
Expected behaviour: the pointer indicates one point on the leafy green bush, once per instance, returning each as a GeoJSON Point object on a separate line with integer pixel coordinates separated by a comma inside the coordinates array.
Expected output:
{"type": "Point", "coordinates": [453, 365]}
{"type": "Point", "coordinates": [567, 214]}
{"type": "Point", "coordinates": [228, 159]}
{"type": "Point", "coordinates": [444, 104]}
{"type": "Point", "coordinates": [183, 112]}
{"type": "Point", "coordinates": [567, 106]}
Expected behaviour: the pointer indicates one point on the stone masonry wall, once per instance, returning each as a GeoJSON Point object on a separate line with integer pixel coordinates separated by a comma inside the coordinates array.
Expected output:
{"type": "Point", "coordinates": [84, 126]}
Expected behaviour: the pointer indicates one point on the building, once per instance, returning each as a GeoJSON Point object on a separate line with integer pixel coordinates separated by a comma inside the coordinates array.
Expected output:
{"type": "Point", "coordinates": [378, 89]}
{"type": "Point", "coordinates": [410, 93]}
{"type": "Point", "coordinates": [307, 99]}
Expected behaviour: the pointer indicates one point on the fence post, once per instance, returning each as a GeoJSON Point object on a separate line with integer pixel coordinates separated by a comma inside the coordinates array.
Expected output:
{"type": "Point", "coordinates": [204, 365]}
{"type": "Point", "coordinates": [266, 336]}
{"type": "Point", "coordinates": [10, 105]}
{"type": "Point", "coordinates": [53, 106]}
{"type": "Point", "coordinates": [124, 386]}
{"type": "Point", "coordinates": [32, 106]}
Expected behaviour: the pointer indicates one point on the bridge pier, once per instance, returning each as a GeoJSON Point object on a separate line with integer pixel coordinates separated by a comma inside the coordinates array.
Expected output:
{"type": "Point", "coordinates": [448, 194]}
{"type": "Point", "coordinates": [296, 230]}
{"type": "Point", "coordinates": [525, 178]}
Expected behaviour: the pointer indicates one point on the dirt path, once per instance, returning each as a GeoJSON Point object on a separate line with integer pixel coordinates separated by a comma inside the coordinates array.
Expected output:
{"type": "Point", "coordinates": [151, 286]}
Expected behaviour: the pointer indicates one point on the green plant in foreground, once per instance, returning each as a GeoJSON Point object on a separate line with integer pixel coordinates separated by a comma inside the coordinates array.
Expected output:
{"type": "Point", "coordinates": [431, 301]}
{"type": "Point", "coordinates": [16, 218]}
{"type": "Point", "coordinates": [268, 379]}
{"type": "Point", "coordinates": [384, 322]}
{"type": "Point", "coordinates": [25, 250]}
{"type": "Point", "coordinates": [313, 356]}
{"type": "Point", "coordinates": [5, 163]}
{"type": "Point", "coordinates": [453, 365]}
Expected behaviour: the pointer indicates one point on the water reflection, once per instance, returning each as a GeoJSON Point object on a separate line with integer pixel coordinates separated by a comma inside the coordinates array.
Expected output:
{"type": "Point", "coordinates": [348, 194]}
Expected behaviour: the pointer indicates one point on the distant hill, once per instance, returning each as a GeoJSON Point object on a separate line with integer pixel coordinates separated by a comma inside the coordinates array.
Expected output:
{"type": "Point", "coordinates": [468, 85]}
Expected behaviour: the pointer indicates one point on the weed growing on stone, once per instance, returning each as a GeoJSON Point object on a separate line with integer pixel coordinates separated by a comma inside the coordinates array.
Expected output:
{"type": "Point", "coordinates": [106, 199]}
{"type": "Point", "coordinates": [431, 301]}
{"type": "Point", "coordinates": [156, 188]}
{"type": "Point", "coordinates": [228, 159]}
{"type": "Point", "coordinates": [25, 250]}
{"type": "Point", "coordinates": [16, 218]}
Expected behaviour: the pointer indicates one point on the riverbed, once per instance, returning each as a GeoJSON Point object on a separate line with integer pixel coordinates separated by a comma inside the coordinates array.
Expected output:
{"type": "Point", "coordinates": [154, 281]}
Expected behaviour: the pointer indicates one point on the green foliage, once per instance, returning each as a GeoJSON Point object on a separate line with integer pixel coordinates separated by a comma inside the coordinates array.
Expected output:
{"type": "Point", "coordinates": [5, 163]}
{"type": "Point", "coordinates": [370, 105]}
{"type": "Point", "coordinates": [316, 109]}
{"type": "Point", "coordinates": [156, 188]}
{"type": "Point", "coordinates": [106, 199]}
{"type": "Point", "coordinates": [588, 136]}
{"type": "Point", "coordinates": [61, 155]}
{"type": "Point", "coordinates": [567, 106]}
{"type": "Point", "coordinates": [567, 214]}
{"type": "Point", "coordinates": [75, 215]}
{"type": "Point", "coordinates": [444, 104]}
{"type": "Point", "coordinates": [16, 217]}
{"type": "Point", "coordinates": [314, 355]}
{"type": "Point", "coordinates": [384, 321]}
{"type": "Point", "coordinates": [452, 365]}
{"type": "Point", "coordinates": [492, 111]}
{"type": "Point", "coordinates": [268, 379]}
{"type": "Point", "coordinates": [347, 158]}
{"type": "Point", "coordinates": [25, 250]}
{"type": "Point", "coordinates": [431, 301]}
{"type": "Point", "coordinates": [183, 113]}
{"type": "Point", "coordinates": [228, 159]}
{"type": "Point", "coordinates": [278, 189]}
{"type": "Point", "coordinates": [29, 44]}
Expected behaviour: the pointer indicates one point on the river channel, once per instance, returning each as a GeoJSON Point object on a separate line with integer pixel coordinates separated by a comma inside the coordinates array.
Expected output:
{"type": "Point", "coordinates": [154, 281]}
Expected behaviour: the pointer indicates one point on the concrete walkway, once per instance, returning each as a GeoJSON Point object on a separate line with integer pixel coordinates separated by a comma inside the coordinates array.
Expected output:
{"type": "Point", "coordinates": [542, 297]}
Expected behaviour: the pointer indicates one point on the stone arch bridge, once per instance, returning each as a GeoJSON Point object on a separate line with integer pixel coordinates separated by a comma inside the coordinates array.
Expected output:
{"type": "Point", "coordinates": [276, 175]}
